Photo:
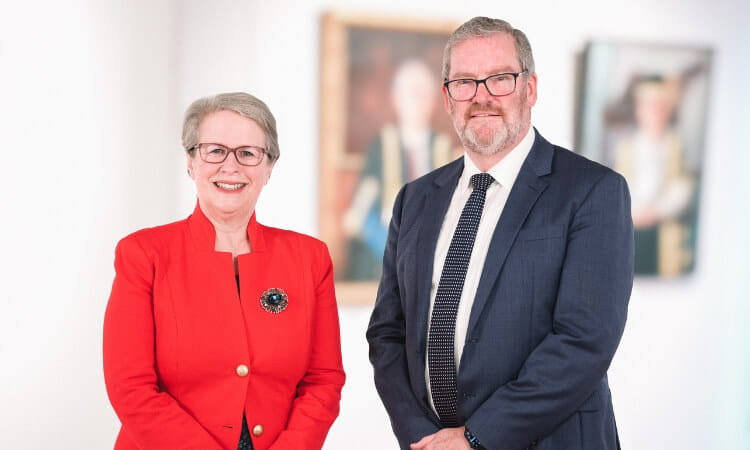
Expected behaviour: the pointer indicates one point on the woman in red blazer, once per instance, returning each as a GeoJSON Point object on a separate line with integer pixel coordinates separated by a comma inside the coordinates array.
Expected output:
{"type": "Point", "coordinates": [222, 333]}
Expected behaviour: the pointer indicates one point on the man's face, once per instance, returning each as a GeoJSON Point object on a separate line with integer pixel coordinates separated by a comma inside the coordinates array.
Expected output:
{"type": "Point", "coordinates": [490, 125]}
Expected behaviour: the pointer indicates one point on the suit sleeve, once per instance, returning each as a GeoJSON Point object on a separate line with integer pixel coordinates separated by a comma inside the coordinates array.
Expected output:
{"type": "Point", "coordinates": [150, 417]}
{"type": "Point", "coordinates": [589, 318]}
{"type": "Point", "coordinates": [316, 405]}
{"type": "Point", "coordinates": [386, 335]}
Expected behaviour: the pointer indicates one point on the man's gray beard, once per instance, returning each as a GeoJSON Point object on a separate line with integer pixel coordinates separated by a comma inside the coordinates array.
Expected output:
{"type": "Point", "coordinates": [501, 139]}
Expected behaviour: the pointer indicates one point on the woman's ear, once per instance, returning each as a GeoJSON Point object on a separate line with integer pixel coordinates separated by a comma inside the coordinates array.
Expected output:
{"type": "Point", "coordinates": [269, 172]}
{"type": "Point", "coordinates": [190, 166]}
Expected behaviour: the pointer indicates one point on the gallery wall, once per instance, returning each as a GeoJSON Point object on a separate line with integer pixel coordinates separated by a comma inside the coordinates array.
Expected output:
{"type": "Point", "coordinates": [92, 96]}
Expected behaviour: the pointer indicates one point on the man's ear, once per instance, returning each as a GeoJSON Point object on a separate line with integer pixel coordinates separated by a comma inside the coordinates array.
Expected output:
{"type": "Point", "coordinates": [530, 86]}
{"type": "Point", "coordinates": [446, 100]}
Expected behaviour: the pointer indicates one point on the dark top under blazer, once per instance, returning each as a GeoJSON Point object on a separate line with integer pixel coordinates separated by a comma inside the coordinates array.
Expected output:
{"type": "Point", "coordinates": [548, 314]}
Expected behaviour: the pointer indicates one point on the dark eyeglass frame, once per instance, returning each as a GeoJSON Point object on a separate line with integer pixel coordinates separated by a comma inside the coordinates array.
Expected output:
{"type": "Point", "coordinates": [515, 76]}
{"type": "Point", "coordinates": [229, 151]}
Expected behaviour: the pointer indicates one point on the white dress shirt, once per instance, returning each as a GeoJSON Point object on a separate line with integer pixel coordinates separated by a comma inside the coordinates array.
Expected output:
{"type": "Point", "coordinates": [505, 173]}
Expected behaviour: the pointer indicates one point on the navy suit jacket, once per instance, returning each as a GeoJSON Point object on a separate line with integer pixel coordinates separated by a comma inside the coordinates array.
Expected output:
{"type": "Point", "coordinates": [548, 314]}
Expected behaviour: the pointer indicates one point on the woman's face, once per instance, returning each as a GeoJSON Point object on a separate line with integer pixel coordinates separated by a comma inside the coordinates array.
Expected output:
{"type": "Point", "coordinates": [229, 189]}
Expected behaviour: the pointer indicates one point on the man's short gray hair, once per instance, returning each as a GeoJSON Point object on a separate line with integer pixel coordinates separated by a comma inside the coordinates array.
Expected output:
{"type": "Point", "coordinates": [483, 27]}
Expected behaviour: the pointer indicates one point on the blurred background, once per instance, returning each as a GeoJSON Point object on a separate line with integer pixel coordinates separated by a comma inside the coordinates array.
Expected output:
{"type": "Point", "coordinates": [91, 98]}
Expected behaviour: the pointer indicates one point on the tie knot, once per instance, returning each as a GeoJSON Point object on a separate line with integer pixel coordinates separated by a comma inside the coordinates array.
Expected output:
{"type": "Point", "coordinates": [481, 181]}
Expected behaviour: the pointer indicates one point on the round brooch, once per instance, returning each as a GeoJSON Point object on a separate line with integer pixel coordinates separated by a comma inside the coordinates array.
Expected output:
{"type": "Point", "coordinates": [274, 300]}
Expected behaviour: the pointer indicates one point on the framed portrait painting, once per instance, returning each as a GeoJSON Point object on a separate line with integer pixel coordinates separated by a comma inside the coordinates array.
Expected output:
{"type": "Point", "coordinates": [644, 114]}
{"type": "Point", "coordinates": [382, 124]}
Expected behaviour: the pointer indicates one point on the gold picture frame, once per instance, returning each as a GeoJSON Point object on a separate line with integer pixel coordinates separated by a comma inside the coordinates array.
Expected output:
{"type": "Point", "coordinates": [645, 114]}
{"type": "Point", "coordinates": [364, 60]}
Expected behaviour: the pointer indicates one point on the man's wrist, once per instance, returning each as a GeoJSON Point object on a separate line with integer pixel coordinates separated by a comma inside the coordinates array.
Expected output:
{"type": "Point", "coordinates": [473, 441]}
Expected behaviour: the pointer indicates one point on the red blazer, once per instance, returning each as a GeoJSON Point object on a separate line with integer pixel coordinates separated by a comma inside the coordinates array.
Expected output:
{"type": "Point", "coordinates": [177, 336]}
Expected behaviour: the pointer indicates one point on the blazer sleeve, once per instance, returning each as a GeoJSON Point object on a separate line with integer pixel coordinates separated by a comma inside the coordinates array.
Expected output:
{"type": "Point", "coordinates": [150, 417]}
{"type": "Point", "coordinates": [316, 405]}
{"type": "Point", "coordinates": [386, 334]}
{"type": "Point", "coordinates": [589, 318]}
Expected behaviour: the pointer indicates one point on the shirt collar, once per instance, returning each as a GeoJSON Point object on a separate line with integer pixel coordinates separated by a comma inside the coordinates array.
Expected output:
{"type": "Point", "coordinates": [506, 170]}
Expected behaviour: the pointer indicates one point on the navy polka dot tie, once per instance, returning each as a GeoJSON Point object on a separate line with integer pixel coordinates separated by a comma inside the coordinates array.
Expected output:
{"type": "Point", "coordinates": [440, 343]}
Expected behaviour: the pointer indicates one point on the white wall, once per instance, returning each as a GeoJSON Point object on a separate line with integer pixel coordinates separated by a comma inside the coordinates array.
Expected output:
{"type": "Point", "coordinates": [87, 126]}
{"type": "Point", "coordinates": [91, 97]}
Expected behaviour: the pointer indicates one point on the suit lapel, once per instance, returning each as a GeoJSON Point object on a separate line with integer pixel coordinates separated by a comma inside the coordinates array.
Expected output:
{"type": "Point", "coordinates": [526, 190]}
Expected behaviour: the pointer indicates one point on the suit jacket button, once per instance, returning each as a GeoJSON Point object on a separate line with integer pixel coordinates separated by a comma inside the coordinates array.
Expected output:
{"type": "Point", "coordinates": [257, 430]}
{"type": "Point", "coordinates": [242, 370]}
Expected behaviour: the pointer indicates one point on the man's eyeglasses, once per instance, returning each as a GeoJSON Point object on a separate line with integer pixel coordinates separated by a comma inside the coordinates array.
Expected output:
{"type": "Point", "coordinates": [498, 85]}
{"type": "Point", "coordinates": [217, 153]}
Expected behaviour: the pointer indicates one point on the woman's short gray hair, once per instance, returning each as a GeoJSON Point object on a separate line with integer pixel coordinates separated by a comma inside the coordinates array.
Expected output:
{"type": "Point", "coordinates": [483, 27]}
{"type": "Point", "coordinates": [243, 104]}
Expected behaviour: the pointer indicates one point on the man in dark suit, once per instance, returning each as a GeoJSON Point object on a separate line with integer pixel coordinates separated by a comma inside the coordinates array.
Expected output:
{"type": "Point", "coordinates": [506, 274]}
